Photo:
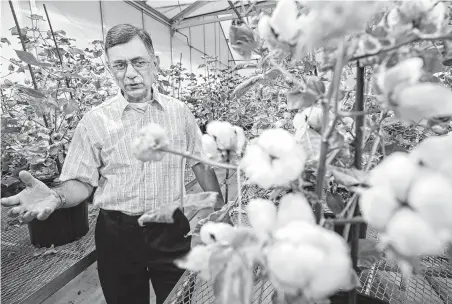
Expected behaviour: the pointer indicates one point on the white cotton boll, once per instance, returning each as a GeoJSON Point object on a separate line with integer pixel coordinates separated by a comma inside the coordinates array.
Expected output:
{"type": "Point", "coordinates": [288, 168]}
{"type": "Point", "coordinates": [210, 147]}
{"type": "Point", "coordinates": [396, 171]}
{"type": "Point", "coordinates": [314, 117]}
{"type": "Point", "coordinates": [408, 71]}
{"type": "Point", "coordinates": [283, 21]}
{"type": "Point", "coordinates": [197, 260]}
{"type": "Point", "coordinates": [298, 232]}
{"type": "Point", "coordinates": [277, 142]}
{"type": "Point", "coordinates": [223, 133]}
{"type": "Point", "coordinates": [264, 28]}
{"type": "Point", "coordinates": [333, 242]}
{"type": "Point", "coordinates": [213, 232]}
{"type": "Point", "coordinates": [300, 121]}
{"type": "Point", "coordinates": [292, 267]}
{"type": "Point", "coordinates": [294, 207]}
{"type": "Point", "coordinates": [151, 138]}
{"type": "Point", "coordinates": [410, 235]}
{"type": "Point", "coordinates": [378, 204]}
{"type": "Point", "coordinates": [333, 274]}
{"type": "Point", "coordinates": [257, 167]}
{"type": "Point", "coordinates": [431, 196]}
{"type": "Point", "coordinates": [261, 214]}
{"type": "Point", "coordinates": [240, 140]}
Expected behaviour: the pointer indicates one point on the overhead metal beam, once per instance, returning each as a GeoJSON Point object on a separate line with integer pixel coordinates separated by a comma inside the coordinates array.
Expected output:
{"type": "Point", "coordinates": [141, 5]}
{"type": "Point", "coordinates": [200, 21]}
{"type": "Point", "coordinates": [229, 10]}
{"type": "Point", "coordinates": [191, 8]}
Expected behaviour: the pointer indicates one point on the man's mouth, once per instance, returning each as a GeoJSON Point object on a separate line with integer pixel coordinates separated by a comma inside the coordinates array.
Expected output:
{"type": "Point", "coordinates": [134, 86]}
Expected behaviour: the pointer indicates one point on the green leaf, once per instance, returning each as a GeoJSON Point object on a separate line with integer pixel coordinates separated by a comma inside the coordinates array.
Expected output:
{"type": "Point", "coordinates": [315, 85]}
{"type": "Point", "coordinates": [297, 99]}
{"type": "Point", "coordinates": [27, 57]}
{"type": "Point", "coordinates": [15, 31]}
{"type": "Point", "coordinates": [235, 283]}
{"type": "Point", "coordinates": [245, 86]}
{"type": "Point", "coordinates": [221, 215]}
{"type": "Point", "coordinates": [348, 177]}
{"type": "Point", "coordinates": [5, 40]}
{"type": "Point", "coordinates": [335, 202]}
{"type": "Point", "coordinates": [368, 253]}
{"type": "Point", "coordinates": [36, 17]}
{"type": "Point", "coordinates": [30, 92]}
{"type": "Point", "coordinates": [193, 203]}
{"type": "Point", "coordinates": [97, 53]}
{"type": "Point", "coordinates": [70, 107]}
{"type": "Point", "coordinates": [243, 40]}
{"type": "Point", "coordinates": [7, 83]}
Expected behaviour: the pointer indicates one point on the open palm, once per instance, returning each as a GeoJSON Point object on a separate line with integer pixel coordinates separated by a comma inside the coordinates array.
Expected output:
{"type": "Point", "coordinates": [35, 201]}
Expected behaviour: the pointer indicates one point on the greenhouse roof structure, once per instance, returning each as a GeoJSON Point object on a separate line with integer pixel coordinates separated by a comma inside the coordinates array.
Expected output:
{"type": "Point", "coordinates": [182, 14]}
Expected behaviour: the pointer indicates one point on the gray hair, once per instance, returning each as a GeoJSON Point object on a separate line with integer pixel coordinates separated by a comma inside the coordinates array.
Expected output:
{"type": "Point", "coordinates": [123, 33]}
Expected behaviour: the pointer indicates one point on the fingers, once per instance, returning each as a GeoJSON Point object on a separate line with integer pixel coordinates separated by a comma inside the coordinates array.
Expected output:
{"type": "Point", "coordinates": [29, 216]}
{"type": "Point", "coordinates": [44, 214]}
{"type": "Point", "coordinates": [16, 211]}
{"type": "Point", "coordinates": [10, 201]}
{"type": "Point", "coordinates": [27, 178]}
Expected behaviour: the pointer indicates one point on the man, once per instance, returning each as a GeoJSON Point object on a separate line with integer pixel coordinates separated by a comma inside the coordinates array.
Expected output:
{"type": "Point", "coordinates": [100, 155]}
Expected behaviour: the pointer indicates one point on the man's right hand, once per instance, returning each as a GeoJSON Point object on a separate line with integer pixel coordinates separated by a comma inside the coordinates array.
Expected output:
{"type": "Point", "coordinates": [35, 201]}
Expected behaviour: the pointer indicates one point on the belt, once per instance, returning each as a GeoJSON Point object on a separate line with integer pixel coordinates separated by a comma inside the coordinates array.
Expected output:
{"type": "Point", "coordinates": [120, 218]}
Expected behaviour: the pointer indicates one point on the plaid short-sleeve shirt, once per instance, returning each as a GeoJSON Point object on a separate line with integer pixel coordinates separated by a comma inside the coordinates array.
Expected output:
{"type": "Point", "coordinates": [100, 153]}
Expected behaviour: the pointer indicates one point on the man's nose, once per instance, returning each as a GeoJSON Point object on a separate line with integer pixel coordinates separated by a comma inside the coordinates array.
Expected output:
{"type": "Point", "coordinates": [130, 71]}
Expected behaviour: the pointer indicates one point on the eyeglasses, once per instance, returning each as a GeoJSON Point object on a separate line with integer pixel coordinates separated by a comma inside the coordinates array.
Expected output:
{"type": "Point", "coordinates": [138, 64]}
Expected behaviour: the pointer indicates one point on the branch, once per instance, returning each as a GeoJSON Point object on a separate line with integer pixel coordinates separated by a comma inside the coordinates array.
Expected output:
{"type": "Point", "coordinates": [203, 160]}
{"type": "Point", "coordinates": [398, 45]}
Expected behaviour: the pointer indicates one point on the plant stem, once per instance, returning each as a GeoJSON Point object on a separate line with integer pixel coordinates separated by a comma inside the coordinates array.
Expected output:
{"type": "Point", "coordinates": [342, 221]}
{"type": "Point", "coordinates": [327, 131]}
{"type": "Point", "coordinates": [239, 196]}
{"type": "Point", "coordinates": [56, 47]}
{"type": "Point", "coordinates": [359, 132]}
{"type": "Point", "coordinates": [33, 79]}
{"type": "Point", "coordinates": [203, 160]}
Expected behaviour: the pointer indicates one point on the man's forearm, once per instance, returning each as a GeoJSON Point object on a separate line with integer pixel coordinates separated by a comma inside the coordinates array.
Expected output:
{"type": "Point", "coordinates": [74, 192]}
{"type": "Point", "coordinates": [208, 181]}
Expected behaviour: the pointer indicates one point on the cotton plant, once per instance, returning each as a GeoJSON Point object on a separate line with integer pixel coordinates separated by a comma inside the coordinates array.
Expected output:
{"type": "Point", "coordinates": [408, 199]}
{"type": "Point", "coordinates": [223, 141]}
{"type": "Point", "coordinates": [274, 159]}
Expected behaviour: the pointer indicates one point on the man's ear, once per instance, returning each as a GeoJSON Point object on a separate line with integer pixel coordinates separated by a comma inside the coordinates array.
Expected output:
{"type": "Point", "coordinates": [157, 62]}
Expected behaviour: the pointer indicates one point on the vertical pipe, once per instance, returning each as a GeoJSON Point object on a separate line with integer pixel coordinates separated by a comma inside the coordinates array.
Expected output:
{"type": "Point", "coordinates": [102, 20]}
{"type": "Point", "coordinates": [359, 126]}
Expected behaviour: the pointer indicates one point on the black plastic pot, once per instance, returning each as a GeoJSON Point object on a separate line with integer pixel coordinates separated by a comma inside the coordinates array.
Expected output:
{"type": "Point", "coordinates": [343, 298]}
{"type": "Point", "coordinates": [61, 227]}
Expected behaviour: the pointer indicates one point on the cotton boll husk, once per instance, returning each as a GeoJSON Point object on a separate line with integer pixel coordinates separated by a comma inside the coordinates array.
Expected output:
{"type": "Point", "coordinates": [261, 214]}
{"type": "Point", "coordinates": [224, 134]}
{"type": "Point", "coordinates": [410, 235]}
{"type": "Point", "coordinates": [216, 233]}
{"type": "Point", "coordinates": [378, 204]}
{"type": "Point", "coordinates": [431, 196]}
{"type": "Point", "coordinates": [294, 207]}
{"type": "Point", "coordinates": [397, 172]}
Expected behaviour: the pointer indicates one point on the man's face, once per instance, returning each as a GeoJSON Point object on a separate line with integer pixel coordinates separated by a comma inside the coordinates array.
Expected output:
{"type": "Point", "coordinates": [133, 67]}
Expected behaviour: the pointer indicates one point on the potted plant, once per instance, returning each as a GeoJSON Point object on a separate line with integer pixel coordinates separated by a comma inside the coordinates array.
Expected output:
{"type": "Point", "coordinates": [39, 117]}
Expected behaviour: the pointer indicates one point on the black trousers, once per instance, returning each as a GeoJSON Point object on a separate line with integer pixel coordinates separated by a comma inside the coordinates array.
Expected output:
{"type": "Point", "coordinates": [128, 256]}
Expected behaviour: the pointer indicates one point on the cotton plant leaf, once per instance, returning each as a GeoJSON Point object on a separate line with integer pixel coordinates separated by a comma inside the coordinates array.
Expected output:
{"type": "Point", "coordinates": [193, 203]}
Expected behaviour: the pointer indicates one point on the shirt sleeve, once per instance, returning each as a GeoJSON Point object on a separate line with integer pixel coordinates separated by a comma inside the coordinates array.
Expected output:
{"type": "Point", "coordinates": [83, 158]}
{"type": "Point", "coordinates": [194, 135]}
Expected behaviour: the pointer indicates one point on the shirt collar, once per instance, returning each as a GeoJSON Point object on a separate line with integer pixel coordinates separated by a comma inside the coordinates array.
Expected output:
{"type": "Point", "coordinates": [121, 103]}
